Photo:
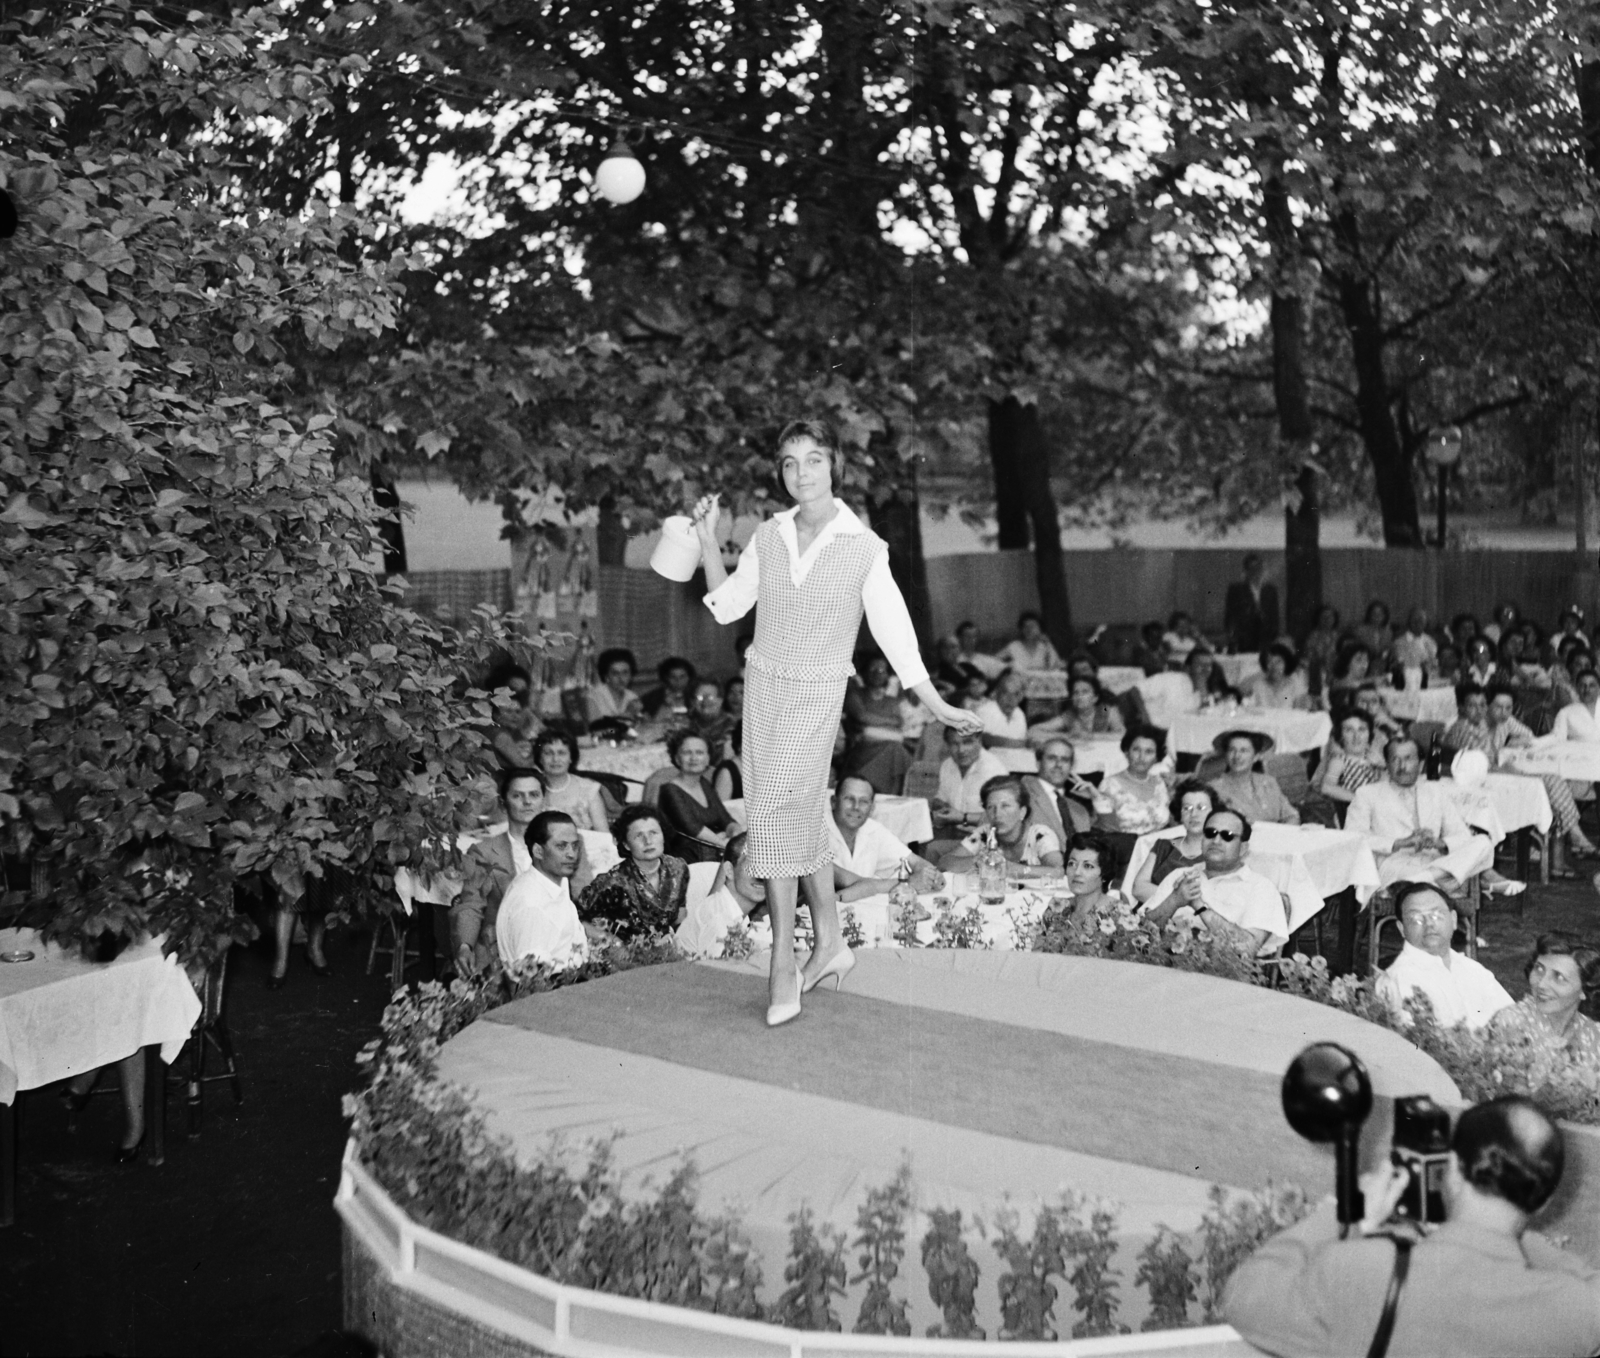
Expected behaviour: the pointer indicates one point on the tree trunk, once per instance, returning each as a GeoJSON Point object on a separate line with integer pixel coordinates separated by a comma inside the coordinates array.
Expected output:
{"type": "Point", "coordinates": [610, 537]}
{"type": "Point", "coordinates": [1010, 507]}
{"type": "Point", "coordinates": [1029, 458]}
{"type": "Point", "coordinates": [1390, 458]}
{"type": "Point", "coordinates": [898, 521]}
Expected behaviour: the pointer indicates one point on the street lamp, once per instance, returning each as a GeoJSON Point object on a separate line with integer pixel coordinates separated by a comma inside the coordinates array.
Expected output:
{"type": "Point", "coordinates": [620, 176]}
{"type": "Point", "coordinates": [1444, 451]}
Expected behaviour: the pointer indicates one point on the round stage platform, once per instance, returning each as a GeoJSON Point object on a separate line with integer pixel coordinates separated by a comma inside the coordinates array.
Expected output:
{"type": "Point", "coordinates": [1008, 1079]}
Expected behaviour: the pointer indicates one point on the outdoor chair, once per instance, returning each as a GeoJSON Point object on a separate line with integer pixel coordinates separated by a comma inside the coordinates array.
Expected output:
{"type": "Point", "coordinates": [397, 925]}
{"type": "Point", "coordinates": [922, 780]}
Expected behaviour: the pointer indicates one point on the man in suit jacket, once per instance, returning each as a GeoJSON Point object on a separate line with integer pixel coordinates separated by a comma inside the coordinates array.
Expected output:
{"type": "Point", "coordinates": [489, 868]}
{"type": "Point", "coordinates": [1250, 614]}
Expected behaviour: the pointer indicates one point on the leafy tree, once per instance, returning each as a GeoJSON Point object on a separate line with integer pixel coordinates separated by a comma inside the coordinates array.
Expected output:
{"type": "Point", "coordinates": [204, 674]}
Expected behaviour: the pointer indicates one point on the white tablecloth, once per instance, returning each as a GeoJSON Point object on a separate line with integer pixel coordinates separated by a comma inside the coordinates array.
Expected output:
{"type": "Point", "coordinates": [1426, 704]}
{"type": "Point", "coordinates": [1577, 760]}
{"type": "Point", "coordinates": [1043, 684]}
{"type": "Point", "coordinates": [909, 819]}
{"type": "Point", "coordinates": [1521, 803]}
{"type": "Point", "coordinates": [1239, 670]}
{"type": "Point", "coordinates": [61, 1016]}
{"type": "Point", "coordinates": [1291, 731]}
{"type": "Point", "coordinates": [1119, 678]}
{"type": "Point", "coordinates": [1307, 863]}
{"type": "Point", "coordinates": [633, 762]}
{"type": "Point", "coordinates": [1478, 807]}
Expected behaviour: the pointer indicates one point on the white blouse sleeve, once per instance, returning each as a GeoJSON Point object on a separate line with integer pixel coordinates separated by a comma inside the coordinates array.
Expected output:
{"type": "Point", "coordinates": [736, 595]}
{"type": "Point", "coordinates": [889, 620]}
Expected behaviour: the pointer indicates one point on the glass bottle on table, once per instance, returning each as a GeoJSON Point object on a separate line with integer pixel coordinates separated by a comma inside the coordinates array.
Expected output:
{"type": "Point", "coordinates": [991, 866]}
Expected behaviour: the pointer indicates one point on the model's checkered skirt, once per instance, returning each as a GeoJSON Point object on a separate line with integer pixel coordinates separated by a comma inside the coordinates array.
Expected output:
{"type": "Point", "coordinates": [791, 716]}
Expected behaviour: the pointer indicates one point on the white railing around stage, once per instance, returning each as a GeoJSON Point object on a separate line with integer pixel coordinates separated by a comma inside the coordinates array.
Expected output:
{"type": "Point", "coordinates": [573, 1322]}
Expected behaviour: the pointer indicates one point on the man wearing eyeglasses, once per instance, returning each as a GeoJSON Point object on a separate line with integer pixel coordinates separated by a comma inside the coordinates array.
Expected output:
{"type": "Point", "coordinates": [1230, 898]}
{"type": "Point", "coordinates": [1459, 989]}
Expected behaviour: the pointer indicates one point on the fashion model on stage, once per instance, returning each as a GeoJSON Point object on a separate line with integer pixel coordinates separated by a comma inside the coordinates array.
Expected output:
{"type": "Point", "coordinates": [813, 570]}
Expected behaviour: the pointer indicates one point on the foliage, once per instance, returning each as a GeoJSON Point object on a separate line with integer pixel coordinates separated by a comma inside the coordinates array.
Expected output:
{"type": "Point", "coordinates": [952, 1276]}
{"type": "Point", "coordinates": [204, 673]}
{"type": "Point", "coordinates": [738, 943]}
{"type": "Point", "coordinates": [1027, 1296]}
{"type": "Point", "coordinates": [815, 1273]}
{"type": "Point", "coordinates": [1235, 1226]}
{"type": "Point", "coordinates": [951, 930]}
{"type": "Point", "coordinates": [1167, 1269]}
{"type": "Point", "coordinates": [850, 924]}
{"type": "Point", "coordinates": [881, 1223]}
{"type": "Point", "coordinates": [1121, 936]}
{"type": "Point", "coordinates": [1090, 1246]}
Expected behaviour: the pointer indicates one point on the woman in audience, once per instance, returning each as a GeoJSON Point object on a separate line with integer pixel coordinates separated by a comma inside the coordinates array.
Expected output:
{"type": "Point", "coordinates": [1032, 650]}
{"type": "Point", "coordinates": [690, 807]}
{"type": "Point", "coordinates": [1369, 699]}
{"type": "Point", "coordinates": [643, 895]}
{"type": "Point", "coordinates": [1553, 1018]}
{"type": "Point", "coordinates": [1139, 796]}
{"type": "Point", "coordinates": [1090, 868]}
{"type": "Point", "coordinates": [1516, 667]}
{"type": "Point", "coordinates": [516, 723]}
{"type": "Point", "coordinates": [1090, 712]}
{"type": "Point", "coordinates": [728, 776]}
{"type": "Point", "coordinates": [1207, 682]}
{"type": "Point", "coordinates": [1322, 646]}
{"type": "Point", "coordinates": [1375, 633]}
{"type": "Point", "coordinates": [1180, 638]}
{"type": "Point", "coordinates": [1061, 799]}
{"type": "Point", "coordinates": [1352, 761]}
{"type": "Point", "coordinates": [555, 755]}
{"type": "Point", "coordinates": [1192, 802]}
{"type": "Point", "coordinates": [1481, 667]}
{"type": "Point", "coordinates": [707, 717]}
{"type": "Point", "coordinates": [669, 700]}
{"type": "Point", "coordinates": [1446, 667]}
{"type": "Point", "coordinates": [613, 698]}
{"type": "Point", "coordinates": [1507, 618]}
{"type": "Point", "coordinates": [1351, 668]}
{"type": "Point", "coordinates": [1028, 843]}
{"type": "Point", "coordinates": [733, 697]}
{"type": "Point", "coordinates": [1255, 796]}
{"type": "Point", "coordinates": [875, 729]}
{"type": "Point", "coordinates": [1280, 685]}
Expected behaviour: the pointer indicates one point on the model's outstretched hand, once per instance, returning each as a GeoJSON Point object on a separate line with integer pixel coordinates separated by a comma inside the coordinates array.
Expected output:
{"type": "Point", "coordinates": [947, 715]}
{"type": "Point", "coordinates": [705, 514]}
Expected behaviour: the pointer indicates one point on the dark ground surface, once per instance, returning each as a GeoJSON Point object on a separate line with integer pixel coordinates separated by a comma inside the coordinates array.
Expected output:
{"type": "Point", "coordinates": [232, 1246]}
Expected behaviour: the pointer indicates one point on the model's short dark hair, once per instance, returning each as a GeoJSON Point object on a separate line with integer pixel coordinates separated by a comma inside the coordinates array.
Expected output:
{"type": "Point", "coordinates": [546, 738]}
{"type": "Point", "coordinates": [631, 815]}
{"type": "Point", "coordinates": [1145, 732]}
{"type": "Point", "coordinates": [676, 739]}
{"type": "Point", "coordinates": [539, 828]}
{"type": "Point", "coordinates": [1244, 820]}
{"type": "Point", "coordinates": [1003, 782]}
{"type": "Point", "coordinates": [819, 432]}
{"type": "Point", "coordinates": [1100, 846]}
{"type": "Point", "coordinates": [506, 777]}
{"type": "Point", "coordinates": [1192, 787]}
{"type": "Point", "coordinates": [1510, 1148]}
{"type": "Point", "coordinates": [611, 655]}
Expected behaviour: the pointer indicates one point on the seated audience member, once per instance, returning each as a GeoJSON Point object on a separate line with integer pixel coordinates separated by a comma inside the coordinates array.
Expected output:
{"type": "Point", "coordinates": [537, 918]}
{"type": "Point", "coordinates": [1459, 989]}
{"type": "Point", "coordinates": [1375, 633]}
{"type": "Point", "coordinates": [1151, 654]}
{"type": "Point", "coordinates": [488, 869]}
{"type": "Point", "coordinates": [1207, 682]}
{"type": "Point", "coordinates": [1480, 1283]}
{"type": "Point", "coordinates": [733, 897]}
{"type": "Point", "coordinates": [1181, 637]}
{"type": "Point", "coordinates": [709, 719]}
{"type": "Point", "coordinates": [1025, 841]}
{"type": "Point", "coordinates": [1032, 650]}
{"type": "Point", "coordinates": [1280, 686]}
{"type": "Point", "coordinates": [555, 755]}
{"type": "Point", "coordinates": [875, 729]}
{"type": "Point", "coordinates": [733, 697]}
{"type": "Point", "coordinates": [1570, 628]}
{"type": "Point", "coordinates": [669, 700]}
{"type": "Point", "coordinates": [1061, 799]}
{"type": "Point", "coordinates": [1321, 648]}
{"type": "Point", "coordinates": [1414, 829]}
{"type": "Point", "coordinates": [966, 768]}
{"type": "Point", "coordinates": [1486, 722]}
{"type": "Point", "coordinates": [1089, 869]}
{"type": "Point", "coordinates": [1463, 628]}
{"type": "Point", "coordinates": [1563, 977]}
{"type": "Point", "coordinates": [1414, 649]}
{"type": "Point", "coordinates": [1578, 721]}
{"type": "Point", "coordinates": [1350, 762]}
{"type": "Point", "coordinates": [1090, 712]}
{"type": "Point", "coordinates": [1367, 698]}
{"type": "Point", "coordinates": [1181, 847]}
{"type": "Point", "coordinates": [728, 776]}
{"type": "Point", "coordinates": [1507, 618]}
{"type": "Point", "coordinates": [948, 674]}
{"type": "Point", "coordinates": [1518, 666]}
{"type": "Point", "coordinates": [644, 894]}
{"type": "Point", "coordinates": [613, 698]}
{"type": "Point", "coordinates": [1352, 667]}
{"type": "Point", "coordinates": [699, 825]}
{"type": "Point", "coordinates": [1005, 724]}
{"type": "Point", "coordinates": [516, 722]}
{"type": "Point", "coordinates": [1481, 666]}
{"type": "Point", "coordinates": [1230, 898]}
{"type": "Point", "coordinates": [1254, 795]}
{"type": "Point", "coordinates": [1571, 657]}
{"type": "Point", "coordinates": [967, 653]}
{"type": "Point", "coordinates": [867, 849]}
{"type": "Point", "coordinates": [1139, 795]}
{"type": "Point", "coordinates": [1446, 667]}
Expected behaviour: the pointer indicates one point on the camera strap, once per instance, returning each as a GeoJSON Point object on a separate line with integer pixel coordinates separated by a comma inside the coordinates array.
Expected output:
{"type": "Point", "coordinates": [1391, 1300]}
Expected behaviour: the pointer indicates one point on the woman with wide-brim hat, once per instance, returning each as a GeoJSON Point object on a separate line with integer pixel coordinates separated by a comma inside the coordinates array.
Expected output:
{"type": "Point", "coordinates": [1252, 794]}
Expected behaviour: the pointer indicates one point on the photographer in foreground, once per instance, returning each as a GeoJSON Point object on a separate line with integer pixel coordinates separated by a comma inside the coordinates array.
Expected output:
{"type": "Point", "coordinates": [1475, 1285]}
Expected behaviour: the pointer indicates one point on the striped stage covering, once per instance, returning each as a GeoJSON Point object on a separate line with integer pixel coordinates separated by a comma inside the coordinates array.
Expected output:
{"type": "Point", "coordinates": [1008, 1078]}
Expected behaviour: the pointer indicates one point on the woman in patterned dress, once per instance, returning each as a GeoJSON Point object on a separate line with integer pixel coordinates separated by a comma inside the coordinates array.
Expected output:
{"type": "Point", "coordinates": [813, 570]}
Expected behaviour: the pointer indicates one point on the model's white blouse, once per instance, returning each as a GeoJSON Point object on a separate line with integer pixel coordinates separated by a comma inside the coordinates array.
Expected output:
{"type": "Point", "coordinates": [886, 610]}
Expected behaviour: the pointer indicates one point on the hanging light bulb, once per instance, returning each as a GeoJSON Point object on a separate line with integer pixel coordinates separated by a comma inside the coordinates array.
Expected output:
{"type": "Point", "coordinates": [620, 176]}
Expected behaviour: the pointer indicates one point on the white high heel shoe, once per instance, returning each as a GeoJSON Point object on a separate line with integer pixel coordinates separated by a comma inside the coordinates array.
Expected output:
{"type": "Point", "coordinates": [778, 1014]}
{"type": "Point", "coordinates": [838, 967]}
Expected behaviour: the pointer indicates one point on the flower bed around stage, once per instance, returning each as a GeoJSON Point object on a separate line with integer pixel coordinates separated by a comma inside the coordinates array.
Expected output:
{"type": "Point", "coordinates": [432, 1151]}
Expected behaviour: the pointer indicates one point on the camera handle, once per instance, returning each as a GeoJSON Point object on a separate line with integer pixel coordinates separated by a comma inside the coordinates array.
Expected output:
{"type": "Point", "coordinates": [1391, 1300]}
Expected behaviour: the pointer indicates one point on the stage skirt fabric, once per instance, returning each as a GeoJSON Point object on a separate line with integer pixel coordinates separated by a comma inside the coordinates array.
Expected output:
{"type": "Point", "coordinates": [791, 716]}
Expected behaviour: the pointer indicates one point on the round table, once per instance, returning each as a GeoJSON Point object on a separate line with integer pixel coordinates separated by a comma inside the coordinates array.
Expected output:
{"type": "Point", "coordinates": [1291, 731]}
{"type": "Point", "coordinates": [1576, 760]}
{"type": "Point", "coordinates": [634, 762]}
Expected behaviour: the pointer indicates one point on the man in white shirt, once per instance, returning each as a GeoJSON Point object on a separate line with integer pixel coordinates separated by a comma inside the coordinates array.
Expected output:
{"type": "Point", "coordinates": [966, 768]}
{"type": "Point", "coordinates": [867, 857]}
{"type": "Point", "coordinates": [1032, 650]}
{"type": "Point", "coordinates": [1459, 989]}
{"type": "Point", "coordinates": [987, 665]}
{"type": "Point", "coordinates": [1580, 720]}
{"type": "Point", "coordinates": [1005, 724]}
{"type": "Point", "coordinates": [537, 918]}
{"type": "Point", "coordinates": [1413, 828]}
{"type": "Point", "coordinates": [1231, 899]}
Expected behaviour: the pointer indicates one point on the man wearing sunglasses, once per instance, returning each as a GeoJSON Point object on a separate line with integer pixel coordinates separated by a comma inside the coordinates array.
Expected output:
{"type": "Point", "coordinates": [1231, 899]}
